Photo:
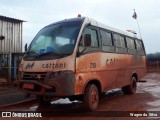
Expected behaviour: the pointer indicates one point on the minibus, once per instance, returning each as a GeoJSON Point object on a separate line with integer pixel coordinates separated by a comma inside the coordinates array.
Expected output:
{"type": "Point", "coordinates": [81, 58]}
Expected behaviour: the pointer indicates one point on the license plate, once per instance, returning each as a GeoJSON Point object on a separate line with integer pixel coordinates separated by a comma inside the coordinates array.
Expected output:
{"type": "Point", "coordinates": [28, 86]}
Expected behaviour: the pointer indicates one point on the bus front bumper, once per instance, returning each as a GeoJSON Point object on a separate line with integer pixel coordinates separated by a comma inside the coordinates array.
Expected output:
{"type": "Point", "coordinates": [59, 86]}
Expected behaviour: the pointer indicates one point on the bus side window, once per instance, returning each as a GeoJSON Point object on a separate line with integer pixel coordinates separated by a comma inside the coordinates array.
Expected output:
{"type": "Point", "coordinates": [131, 45]}
{"type": "Point", "coordinates": [94, 37]}
{"type": "Point", "coordinates": [139, 46]}
{"type": "Point", "coordinates": [107, 43]}
{"type": "Point", "coordinates": [120, 44]}
{"type": "Point", "coordinates": [94, 41]}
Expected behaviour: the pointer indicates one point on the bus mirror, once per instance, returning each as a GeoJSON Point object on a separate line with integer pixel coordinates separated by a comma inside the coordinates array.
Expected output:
{"type": "Point", "coordinates": [88, 24]}
{"type": "Point", "coordinates": [25, 47]}
{"type": "Point", "coordinates": [87, 40]}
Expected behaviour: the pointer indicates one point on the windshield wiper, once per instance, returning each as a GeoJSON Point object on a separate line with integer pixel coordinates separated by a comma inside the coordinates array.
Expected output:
{"type": "Point", "coordinates": [49, 53]}
{"type": "Point", "coordinates": [30, 52]}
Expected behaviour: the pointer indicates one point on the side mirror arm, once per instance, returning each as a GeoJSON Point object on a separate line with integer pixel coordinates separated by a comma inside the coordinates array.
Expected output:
{"type": "Point", "coordinates": [79, 53]}
{"type": "Point", "coordinates": [25, 48]}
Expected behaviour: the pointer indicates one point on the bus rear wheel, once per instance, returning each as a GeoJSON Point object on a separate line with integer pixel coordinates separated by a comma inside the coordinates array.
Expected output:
{"type": "Point", "coordinates": [91, 97]}
{"type": "Point", "coordinates": [130, 89]}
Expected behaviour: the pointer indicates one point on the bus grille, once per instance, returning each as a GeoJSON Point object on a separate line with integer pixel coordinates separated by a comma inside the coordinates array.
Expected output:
{"type": "Point", "coordinates": [38, 76]}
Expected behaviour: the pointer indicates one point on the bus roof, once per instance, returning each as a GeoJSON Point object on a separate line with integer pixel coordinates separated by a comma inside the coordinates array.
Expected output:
{"type": "Point", "coordinates": [93, 22]}
{"type": "Point", "coordinates": [103, 26]}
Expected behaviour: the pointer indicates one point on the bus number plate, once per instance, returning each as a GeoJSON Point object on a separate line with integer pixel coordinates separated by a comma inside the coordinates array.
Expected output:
{"type": "Point", "coordinates": [28, 86]}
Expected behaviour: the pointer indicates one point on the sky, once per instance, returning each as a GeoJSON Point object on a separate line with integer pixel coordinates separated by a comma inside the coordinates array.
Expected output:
{"type": "Point", "coordinates": [114, 13]}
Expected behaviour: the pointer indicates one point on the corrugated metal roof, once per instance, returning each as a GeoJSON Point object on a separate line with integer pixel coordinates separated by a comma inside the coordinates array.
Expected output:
{"type": "Point", "coordinates": [10, 19]}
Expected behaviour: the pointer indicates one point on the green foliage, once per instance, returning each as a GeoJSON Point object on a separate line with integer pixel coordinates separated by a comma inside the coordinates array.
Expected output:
{"type": "Point", "coordinates": [153, 57]}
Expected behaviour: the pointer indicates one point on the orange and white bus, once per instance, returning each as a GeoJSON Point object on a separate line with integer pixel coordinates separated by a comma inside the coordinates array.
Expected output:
{"type": "Point", "coordinates": [80, 58]}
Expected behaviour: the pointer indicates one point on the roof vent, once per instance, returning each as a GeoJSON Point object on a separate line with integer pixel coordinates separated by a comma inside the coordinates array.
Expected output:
{"type": "Point", "coordinates": [132, 31]}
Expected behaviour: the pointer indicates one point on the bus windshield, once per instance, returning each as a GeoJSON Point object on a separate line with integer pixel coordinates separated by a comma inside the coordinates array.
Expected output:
{"type": "Point", "coordinates": [57, 38]}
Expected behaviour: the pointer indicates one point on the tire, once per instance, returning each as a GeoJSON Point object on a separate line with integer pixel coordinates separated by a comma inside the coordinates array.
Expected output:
{"type": "Point", "coordinates": [130, 89]}
{"type": "Point", "coordinates": [72, 99]}
{"type": "Point", "coordinates": [91, 98]}
{"type": "Point", "coordinates": [42, 101]}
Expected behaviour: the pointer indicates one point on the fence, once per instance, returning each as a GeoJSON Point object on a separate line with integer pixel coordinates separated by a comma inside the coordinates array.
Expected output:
{"type": "Point", "coordinates": [153, 66]}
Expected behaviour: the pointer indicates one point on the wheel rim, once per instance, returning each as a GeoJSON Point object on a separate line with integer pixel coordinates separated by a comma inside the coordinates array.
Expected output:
{"type": "Point", "coordinates": [94, 98]}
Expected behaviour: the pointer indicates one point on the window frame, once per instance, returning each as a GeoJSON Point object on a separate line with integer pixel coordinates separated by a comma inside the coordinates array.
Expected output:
{"type": "Point", "coordinates": [90, 49]}
{"type": "Point", "coordinates": [118, 49]}
{"type": "Point", "coordinates": [103, 40]}
{"type": "Point", "coordinates": [122, 36]}
{"type": "Point", "coordinates": [131, 51]}
{"type": "Point", "coordinates": [115, 49]}
{"type": "Point", "coordinates": [92, 28]}
{"type": "Point", "coordinates": [131, 39]}
{"type": "Point", "coordinates": [141, 51]}
{"type": "Point", "coordinates": [107, 48]}
{"type": "Point", "coordinates": [138, 41]}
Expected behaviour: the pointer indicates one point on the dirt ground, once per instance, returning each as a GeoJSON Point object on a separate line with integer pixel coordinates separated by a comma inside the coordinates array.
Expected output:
{"type": "Point", "coordinates": [114, 105]}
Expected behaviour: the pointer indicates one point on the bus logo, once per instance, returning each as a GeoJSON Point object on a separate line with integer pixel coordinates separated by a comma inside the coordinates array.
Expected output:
{"type": "Point", "coordinates": [29, 66]}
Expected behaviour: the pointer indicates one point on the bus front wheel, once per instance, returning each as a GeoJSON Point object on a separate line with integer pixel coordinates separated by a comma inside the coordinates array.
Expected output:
{"type": "Point", "coordinates": [130, 89]}
{"type": "Point", "coordinates": [91, 97]}
{"type": "Point", "coordinates": [43, 101]}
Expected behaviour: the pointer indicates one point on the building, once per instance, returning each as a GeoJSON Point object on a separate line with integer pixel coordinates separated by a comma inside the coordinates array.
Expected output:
{"type": "Point", "coordinates": [10, 46]}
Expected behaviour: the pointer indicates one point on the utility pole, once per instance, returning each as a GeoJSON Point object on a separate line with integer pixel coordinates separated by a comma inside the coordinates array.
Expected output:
{"type": "Point", "coordinates": [135, 17]}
